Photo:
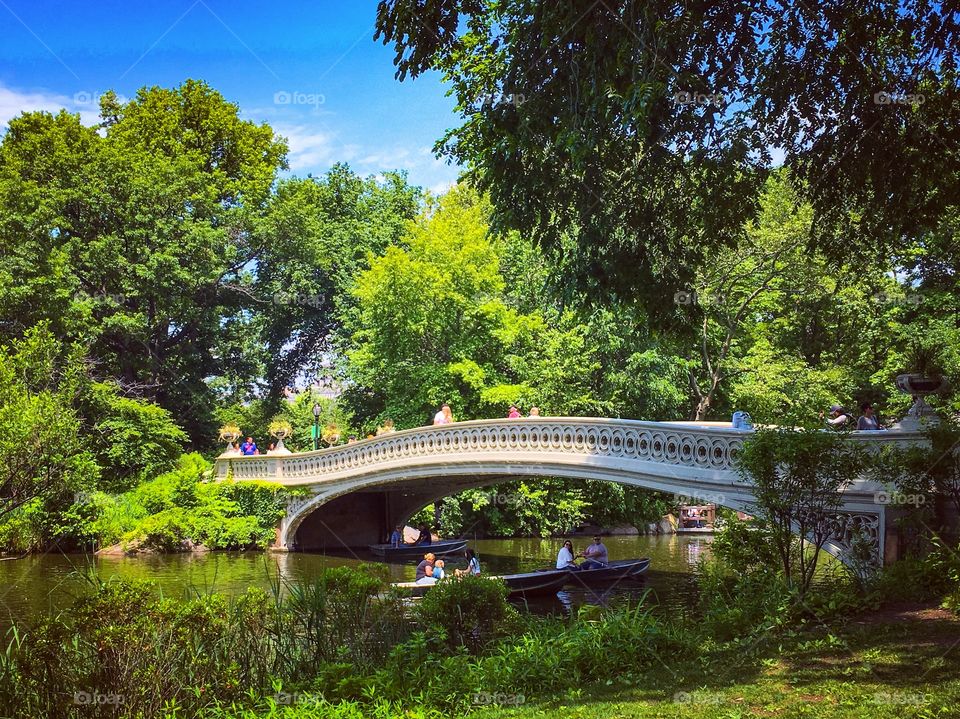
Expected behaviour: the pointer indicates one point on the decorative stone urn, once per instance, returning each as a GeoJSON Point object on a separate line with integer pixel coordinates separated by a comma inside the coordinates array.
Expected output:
{"type": "Point", "coordinates": [280, 430]}
{"type": "Point", "coordinates": [921, 414]}
{"type": "Point", "coordinates": [331, 434]}
{"type": "Point", "coordinates": [230, 433]}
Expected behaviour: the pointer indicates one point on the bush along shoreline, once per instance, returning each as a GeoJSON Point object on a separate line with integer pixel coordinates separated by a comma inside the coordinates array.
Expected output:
{"type": "Point", "coordinates": [178, 511]}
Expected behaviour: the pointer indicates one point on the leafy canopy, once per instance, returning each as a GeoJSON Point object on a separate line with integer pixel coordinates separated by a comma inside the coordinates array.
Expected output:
{"type": "Point", "coordinates": [631, 136]}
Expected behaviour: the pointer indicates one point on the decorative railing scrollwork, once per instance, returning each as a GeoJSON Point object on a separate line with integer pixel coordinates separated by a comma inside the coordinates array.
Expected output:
{"type": "Point", "coordinates": [707, 448]}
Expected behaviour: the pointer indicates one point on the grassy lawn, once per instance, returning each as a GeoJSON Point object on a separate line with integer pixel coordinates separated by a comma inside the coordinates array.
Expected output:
{"type": "Point", "coordinates": [897, 663]}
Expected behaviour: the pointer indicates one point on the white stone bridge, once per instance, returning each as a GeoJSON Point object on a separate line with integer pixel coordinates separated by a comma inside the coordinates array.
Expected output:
{"type": "Point", "coordinates": [356, 492]}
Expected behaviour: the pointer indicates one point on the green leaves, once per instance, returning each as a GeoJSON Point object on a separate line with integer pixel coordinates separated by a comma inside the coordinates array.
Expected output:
{"type": "Point", "coordinates": [797, 478]}
{"type": "Point", "coordinates": [131, 238]}
{"type": "Point", "coordinates": [42, 453]}
{"type": "Point", "coordinates": [646, 130]}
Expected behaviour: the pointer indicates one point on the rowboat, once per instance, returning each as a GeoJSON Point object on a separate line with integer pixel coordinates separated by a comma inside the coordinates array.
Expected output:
{"type": "Point", "coordinates": [533, 583]}
{"type": "Point", "coordinates": [613, 572]}
{"type": "Point", "coordinates": [520, 585]}
{"type": "Point", "coordinates": [411, 551]}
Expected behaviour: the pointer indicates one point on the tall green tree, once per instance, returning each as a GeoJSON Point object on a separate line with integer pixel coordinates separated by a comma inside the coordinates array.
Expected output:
{"type": "Point", "coordinates": [42, 451]}
{"type": "Point", "coordinates": [782, 331]}
{"type": "Point", "coordinates": [430, 325]}
{"type": "Point", "coordinates": [631, 136]}
{"type": "Point", "coordinates": [318, 234]}
{"type": "Point", "coordinates": [137, 235]}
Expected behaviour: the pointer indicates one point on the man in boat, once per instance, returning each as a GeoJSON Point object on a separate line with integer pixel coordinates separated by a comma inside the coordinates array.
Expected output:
{"type": "Point", "coordinates": [396, 538]}
{"type": "Point", "coordinates": [424, 537]}
{"type": "Point", "coordinates": [595, 555]}
{"type": "Point", "coordinates": [425, 569]}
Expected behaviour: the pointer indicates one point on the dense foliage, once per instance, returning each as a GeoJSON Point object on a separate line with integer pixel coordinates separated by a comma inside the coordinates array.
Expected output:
{"type": "Point", "coordinates": [631, 137]}
{"type": "Point", "coordinates": [173, 284]}
{"type": "Point", "coordinates": [344, 645]}
{"type": "Point", "coordinates": [176, 511]}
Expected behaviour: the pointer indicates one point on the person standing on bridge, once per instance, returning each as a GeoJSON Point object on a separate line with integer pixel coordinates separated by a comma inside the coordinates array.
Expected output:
{"type": "Point", "coordinates": [534, 411]}
{"type": "Point", "coordinates": [595, 555]}
{"type": "Point", "coordinates": [249, 447]}
{"type": "Point", "coordinates": [868, 419]}
{"type": "Point", "coordinates": [444, 416]}
{"type": "Point", "coordinates": [514, 413]}
{"type": "Point", "coordinates": [839, 417]}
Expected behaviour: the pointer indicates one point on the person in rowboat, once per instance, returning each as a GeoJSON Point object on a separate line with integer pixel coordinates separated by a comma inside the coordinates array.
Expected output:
{"type": "Point", "coordinates": [595, 555]}
{"type": "Point", "coordinates": [473, 564]}
{"type": "Point", "coordinates": [396, 538]}
{"type": "Point", "coordinates": [565, 556]}
{"type": "Point", "coordinates": [424, 537]}
{"type": "Point", "coordinates": [425, 570]}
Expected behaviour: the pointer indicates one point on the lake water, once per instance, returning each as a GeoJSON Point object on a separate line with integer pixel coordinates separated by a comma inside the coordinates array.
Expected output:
{"type": "Point", "coordinates": [49, 582]}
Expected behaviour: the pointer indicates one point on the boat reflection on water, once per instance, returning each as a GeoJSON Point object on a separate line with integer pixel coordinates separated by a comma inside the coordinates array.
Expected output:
{"type": "Point", "coordinates": [569, 600]}
{"type": "Point", "coordinates": [696, 551]}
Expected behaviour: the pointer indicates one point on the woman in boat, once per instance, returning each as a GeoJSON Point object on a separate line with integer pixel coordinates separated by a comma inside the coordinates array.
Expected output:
{"type": "Point", "coordinates": [473, 564]}
{"type": "Point", "coordinates": [565, 556]}
{"type": "Point", "coordinates": [425, 569]}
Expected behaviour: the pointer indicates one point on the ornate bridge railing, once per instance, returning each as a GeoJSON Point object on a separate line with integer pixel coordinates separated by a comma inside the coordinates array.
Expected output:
{"type": "Point", "coordinates": [702, 447]}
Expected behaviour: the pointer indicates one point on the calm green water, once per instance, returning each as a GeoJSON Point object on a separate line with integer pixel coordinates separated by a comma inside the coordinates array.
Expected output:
{"type": "Point", "coordinates": [50, 582]}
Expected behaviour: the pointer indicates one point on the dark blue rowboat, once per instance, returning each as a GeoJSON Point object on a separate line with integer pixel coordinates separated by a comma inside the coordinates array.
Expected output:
{"type": "Point", "coordinates": [613, 572]}
{"type": "Point", "coordinates": [411, 551]}
{"type": "Point", "coordinates": [520, 585]}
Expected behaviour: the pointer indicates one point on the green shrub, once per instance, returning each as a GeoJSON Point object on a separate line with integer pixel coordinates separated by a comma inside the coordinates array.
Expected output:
{"type": "Point", "coordinates": [135, 439]}
{"type": "Point", "coordinates": [745, 546]}
{"type": "Point", "coordinates": [180, 508]}
{"type": "Point", "coordinates": [467, 612]}
{"type": "Point", "coordinates": [734, 605]}
{"type": "Point", "coordinates": [264, 500]}
{"type": "Point", "coordinates": [343, 614]}
{"type": "Point", "coordinates": [124, 639]}
{"type": "Point", "coordinates": [167, 531]}
{"type": "Point", "coordinates": [930, 577]}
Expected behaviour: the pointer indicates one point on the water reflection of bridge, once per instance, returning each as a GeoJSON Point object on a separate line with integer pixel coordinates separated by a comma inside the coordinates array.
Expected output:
{"type": "Point", "coordinates": [358, 490]}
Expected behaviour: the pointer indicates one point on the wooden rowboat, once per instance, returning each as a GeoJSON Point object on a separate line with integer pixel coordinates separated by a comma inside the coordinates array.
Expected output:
{"type": "Point", "coordinates": [416, 551]}
{"type": "Point", "coordinates": [613, 572]}
{"type": "Point", "coordinates": [520, 585]}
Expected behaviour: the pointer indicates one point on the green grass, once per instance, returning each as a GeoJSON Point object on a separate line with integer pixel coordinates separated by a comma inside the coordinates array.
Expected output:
{"type": "Point", "coordinates": [905, 668]}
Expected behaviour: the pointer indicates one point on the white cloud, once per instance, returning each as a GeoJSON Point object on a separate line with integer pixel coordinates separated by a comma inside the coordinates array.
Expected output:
{"type": "Point", "coordinates": [315, 150]}
{"type": "Point", "coordinates": [14, 102]}
{"type": "Point", "coordinates": [309, 149]}
{"type": "Point", "coordinates": [441, 187]}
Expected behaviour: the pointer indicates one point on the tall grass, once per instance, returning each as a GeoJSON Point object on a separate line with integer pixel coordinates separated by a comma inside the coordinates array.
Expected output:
{"type": "Point", "coordinates": [342, 645]}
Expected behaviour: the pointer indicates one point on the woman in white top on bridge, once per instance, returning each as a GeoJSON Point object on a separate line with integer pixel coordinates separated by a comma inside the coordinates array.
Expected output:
{"type": "Point", "coordinates": [444, 416]}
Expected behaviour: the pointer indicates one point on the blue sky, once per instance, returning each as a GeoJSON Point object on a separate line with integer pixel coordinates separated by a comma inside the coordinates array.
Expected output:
{"type": "Point", "coordinates": [310, 69]}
